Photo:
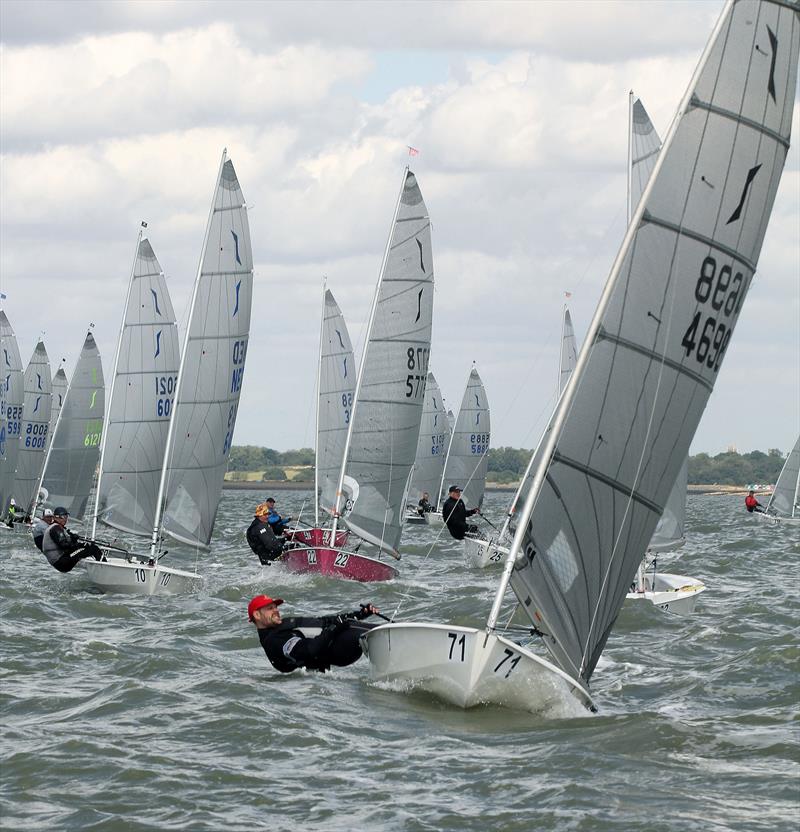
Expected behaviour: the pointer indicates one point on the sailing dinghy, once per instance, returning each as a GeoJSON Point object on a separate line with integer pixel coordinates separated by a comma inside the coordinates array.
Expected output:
{"type": "Point", "coordinates": [74, 450]}
{"type": "Point", "coordinates": [11, 399]}
{"type": "Point", "coordinates": [383, 428]}
{"type": "Point", "coordinates": [623, 426]}
{"type": "Point", "coordinates": [166, 447]}
{"type": "Point", "coordinates": [784, 504]}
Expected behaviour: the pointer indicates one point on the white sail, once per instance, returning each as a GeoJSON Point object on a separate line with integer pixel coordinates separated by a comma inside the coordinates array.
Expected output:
{"type": "Point", "coordinates": [337, 383]}
{"type": "Point", "coordinates": [434, 438]}
{"type": "Point", "coordinates": [670, 532]}
{"type": "Point", "coordinates": [11, 399]}
{"type": "Point", "coordinates": [644, 147]}
{"type": "Point", "coordinates": [75, 445]}
{"type": "Point", "coordinates": [390, 395]}
{"type": "Point", "coordinates": [212, 369]}
{"type": "Point", "coordinates": [33, 429]}
{"type": "Point", "coordinates": [140, 401]}
{"type": "Point", "coordinates": [569, 352]}
{"type": "Point", "coordinates": [651, 357]}
{"type": "Point", "coordinates": [59, 390]}
{"type": "Point", "coordinates": [467, 455]}
{"type": "Point", "coordinates": [784, 499]}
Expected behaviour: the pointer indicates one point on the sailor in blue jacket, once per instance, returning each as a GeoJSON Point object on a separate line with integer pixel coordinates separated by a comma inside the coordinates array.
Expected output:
{"type": "Point", "coordinates": [277, 523]}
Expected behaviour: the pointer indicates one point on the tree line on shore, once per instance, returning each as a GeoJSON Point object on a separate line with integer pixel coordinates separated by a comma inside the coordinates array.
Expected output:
{"type": "Point", "coordinates": [506, 465]}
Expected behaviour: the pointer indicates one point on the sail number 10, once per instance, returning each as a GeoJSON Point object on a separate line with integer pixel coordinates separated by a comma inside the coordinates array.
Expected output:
{"type": "Point", "coordinates": [707, 335]}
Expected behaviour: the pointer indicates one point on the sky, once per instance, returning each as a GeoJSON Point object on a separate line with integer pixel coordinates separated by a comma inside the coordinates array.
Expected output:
{"type": "Point", "coordinates": [117, 112]}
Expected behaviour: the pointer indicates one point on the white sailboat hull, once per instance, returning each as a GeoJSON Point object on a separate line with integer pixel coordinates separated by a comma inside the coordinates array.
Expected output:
{"type": "Point", "coordinates": [433, 518]}
{"type": "Point", "coordinates": [467, 667]}
{"type": "Point", "coordinates": [137, 578]}
{"type": "Point", "coordinates": [777, 520]}
{"type": "Point", "coordinates": [671, 593]}
{"type": "Point", "coordinates": [413, 518]}
{"type": "Point", "coordinates": [480, 552]}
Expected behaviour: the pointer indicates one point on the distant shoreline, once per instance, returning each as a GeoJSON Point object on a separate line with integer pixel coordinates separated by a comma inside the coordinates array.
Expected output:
{"type": "Point", "coordinates": [288, 485]}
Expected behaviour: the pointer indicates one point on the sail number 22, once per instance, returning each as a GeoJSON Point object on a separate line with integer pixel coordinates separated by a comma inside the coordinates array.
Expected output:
{"type": "Point", "coordinates": [707, 335]}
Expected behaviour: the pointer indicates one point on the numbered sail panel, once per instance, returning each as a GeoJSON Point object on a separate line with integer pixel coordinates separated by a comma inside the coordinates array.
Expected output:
{"type": "Point", "coordinates": [389, 408]}
{"type": "Point", "coordinates": [337, 386]}
{"type": "Point", "coordinates": [69, 475]}
{"type": "Point", "coordinates": [655, 351]}
{"type": "Point", "coordinates": [784, 500]}
{"type": "Point", "coordinates": [467, 459]}
{"type": "Point", "coordinates": [212, 371]}
{"type": "Point", "coordinates": [142, 400]}
{"type": "Point", "coordinates": [11, 400]}
{"type": "Point", "coordinates": [645, 145]}
{"type": "Point", "coordinates": [34, 427]}
{"type": "Point", "coordinates": [434, 437]}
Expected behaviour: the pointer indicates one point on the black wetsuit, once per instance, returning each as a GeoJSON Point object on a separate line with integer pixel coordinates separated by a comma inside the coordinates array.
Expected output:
{"type": "Point", "coordinates": [58, 546]}
{"type": "Point", "coordinates": [263, 542]}
{"type": "Point", "coordinates": [424, 506]}
{"type": "Point", "coordinates": [287, 648]}
{"type": "Point", "coordinates": [455, 514]}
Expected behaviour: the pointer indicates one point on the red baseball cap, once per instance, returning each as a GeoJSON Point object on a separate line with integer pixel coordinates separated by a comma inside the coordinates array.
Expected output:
{"type": "Point", "coordinates": [261, 601]}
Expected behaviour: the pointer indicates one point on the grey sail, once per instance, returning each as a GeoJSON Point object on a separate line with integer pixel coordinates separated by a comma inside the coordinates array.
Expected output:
{"type": "Point", "coordinates": [59, 390]}
{"type": "Point", "coordinates": [337, 382]}
{"type": "Point", "coordinates": [434, 437]}
{"type": "Point", "coordinates": [212, 369]}
{"type": "Point", "coordinates": [140, 402]}
{"type": "Point", "coordinates": [468, 454]}
{"type": "Point", "coordinates": [71, 462]}
{"type": "Point", "coordinates": [11, 398]}
{"type": "Point", "coordinates": [33, 429]}
{"type": "Point", "coordinates": [569, 352]}
{"type": "Point", "coordinates": [623, 428]}
{"type": "Point", "coordinates": [388, 410]}
{"type": "Point", "coordinates": [670, 532]}
{"type": "Point", "coordinates": [645, 145]}
{"type": "Point", "coordinates": [784, 499]}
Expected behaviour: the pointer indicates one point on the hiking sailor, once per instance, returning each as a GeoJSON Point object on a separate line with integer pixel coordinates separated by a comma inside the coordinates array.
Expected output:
{"type": "Point", "coordinates": [261, 538]}
{"type": "Point", "coordinates": [40, 526]}
{"type": "Point", "coordinates": [62, 548]}
{"type": "Point", "coordinates": [278, 523]}
{"type": "Point", "coordinates": [454, 514]}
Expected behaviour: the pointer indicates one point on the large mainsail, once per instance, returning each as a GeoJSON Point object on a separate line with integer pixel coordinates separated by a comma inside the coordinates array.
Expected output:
{"type": "Point", "coordinates": [11, 398]}
{"type": "Point", "coordinates": [784, 499]}
{"type": "Point", "coordinates": [468, 453]}
{"type": "Point", "coordinates": [434, 437]}
{"type": "Point", "coordinates": [650, 360]}
{"type": "Point", "coordinates": [390, 396]}
{"type": "Point", "coordinates": [140, 402]}
{"type": "Point", "coordinates": [72, 459]}
{"type": "Point", "coordinates": [212, 369]}
{"type": "Point", "coordinates": [33, 429]}
{"type": "Point", "coordinates": [337, 382]}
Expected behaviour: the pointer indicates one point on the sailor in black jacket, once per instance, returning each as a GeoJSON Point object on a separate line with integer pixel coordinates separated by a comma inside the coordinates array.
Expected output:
{"type": "Point", "coordinates": [288, 647]}
{"type": "Point", "coordinates": [454, 514]}
{"type": "Point", "coordinates": [262, 538]}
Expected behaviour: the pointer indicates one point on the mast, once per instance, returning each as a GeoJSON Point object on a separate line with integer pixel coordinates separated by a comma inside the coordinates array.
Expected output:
{"type": "Point", "coordinates": [319, 392]}
{"type": "Point", "coordinates": [171, 431]}
{"type": "Point", "coordinates": [565, 402]}
{"type": "Point", "coordinates": [363, 363]}
{"type": "Point", "coordinates": [113, 381]}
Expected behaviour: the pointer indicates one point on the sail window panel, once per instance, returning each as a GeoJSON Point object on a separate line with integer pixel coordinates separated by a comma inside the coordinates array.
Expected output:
{"type": "Point", "coordinates": [188, 516]}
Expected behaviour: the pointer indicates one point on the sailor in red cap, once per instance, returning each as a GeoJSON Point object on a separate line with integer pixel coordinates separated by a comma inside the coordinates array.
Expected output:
{"type": "Point", "coordinates": [289, 645]}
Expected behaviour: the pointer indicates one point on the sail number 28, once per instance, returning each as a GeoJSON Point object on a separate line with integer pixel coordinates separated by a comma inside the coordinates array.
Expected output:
{"type": "Point", "coordinates": [707, 335]}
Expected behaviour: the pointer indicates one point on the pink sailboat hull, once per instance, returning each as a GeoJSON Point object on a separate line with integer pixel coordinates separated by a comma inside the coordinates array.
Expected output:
{"type": "Point", "coordinates": [337, 564]}
{"type": "Point", "coordinates": [319, 537]}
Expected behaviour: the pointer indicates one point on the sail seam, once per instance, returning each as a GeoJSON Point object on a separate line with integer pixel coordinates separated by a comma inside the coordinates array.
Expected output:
{"type": "Point", "coordinates": [604, 335]}
{"type": "Point", "coordinates": [721, 111]}
{"type": "Point", "coordinates": [682, 230]}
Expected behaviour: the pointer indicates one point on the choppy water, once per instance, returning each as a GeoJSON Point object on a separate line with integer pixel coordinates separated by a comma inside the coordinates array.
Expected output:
{"type": "Point", "coordinates": [126, 713]}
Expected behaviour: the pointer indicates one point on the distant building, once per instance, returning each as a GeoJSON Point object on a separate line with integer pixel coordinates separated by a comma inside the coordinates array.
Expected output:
{"type": "Point", "coordinates": [732, 449]}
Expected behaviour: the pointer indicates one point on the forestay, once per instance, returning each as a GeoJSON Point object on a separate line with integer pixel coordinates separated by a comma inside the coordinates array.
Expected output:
{"type": "Point", "coordinates": [784, 499]}
{"type": "Point", "coordinates": [212, 369]}
{"type": "Point", "coordinates": [654, 349]}
{"type": "Point", "coordinates": [434, 437]}
{"type": "Point", "coordinates": [337, 382]}
{"type": "Point", "coordinates": [11, 398]}
{"type": "Point", "coordinates": [34, 429]}
{"type": "Point", "coordinates": [72, 459]}
{"type": "Point", "coordinates": [468, 454]}
{"type": "Point", "coordinates": [140, 402]}
{"type": "Point", "coordinates": [388, 410]}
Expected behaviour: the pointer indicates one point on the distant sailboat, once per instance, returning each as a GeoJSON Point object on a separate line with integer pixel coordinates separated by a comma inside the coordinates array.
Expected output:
{"type": "Point", "coordinates": [383, 427]}
{"type": "Point", "coordinates": [198, 405]}
{"type": "Point", "coordinates": [623, 426]}
{"type": "Point", "coordinates": [69, 469]}
{"type": "Point", "coordinates": [784, 504]}
{"type": "Point", "coordinates": [11, 401]}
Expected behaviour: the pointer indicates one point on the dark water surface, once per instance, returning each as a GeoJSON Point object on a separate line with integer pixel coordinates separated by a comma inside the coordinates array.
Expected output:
{"type": "Point", "coordinates": [129, 713]}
